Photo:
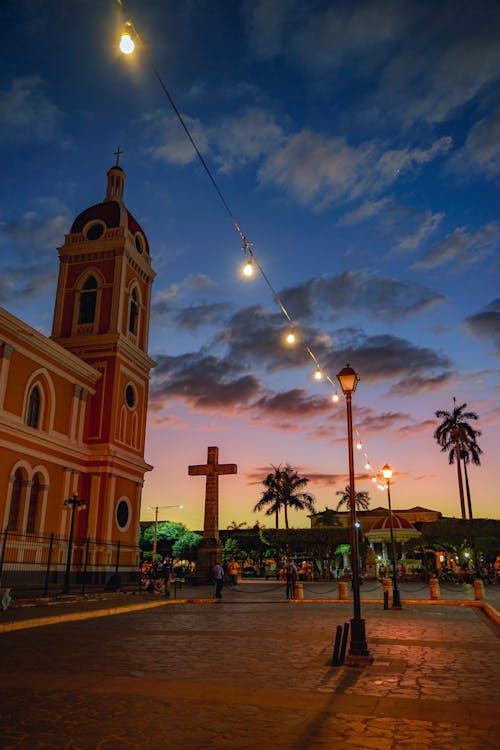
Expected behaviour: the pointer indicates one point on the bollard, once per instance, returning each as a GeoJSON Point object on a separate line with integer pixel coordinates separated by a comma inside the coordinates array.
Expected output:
{"type": "Point", "coordinates": [299, 590]}
{"type": "Point", "coordinates": [387, 584]}
{"type": "Point", "coordinates": [386, 600]}
{"type": "Point", "coordinates": [478, 589]}
{"type": "Point", "coordinates": [344, 642]}
{"type": "Point", "coordinates": [336, 651]}
{"type": "Point", "coordinates": [434, 588]}
{"type": "Point", "coordinates": [343, 590]}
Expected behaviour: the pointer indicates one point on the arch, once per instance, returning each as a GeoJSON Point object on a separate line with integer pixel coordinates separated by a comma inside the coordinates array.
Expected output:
{"type": "Point", "coordinates": [15, 502]}
{"type": "Point", "coordinates": [40, 393]}
{"type": "Point", "coordinates": [134, 310]}
{"type": "Point", "coordinates": [88, 290]}
{"type": "Point", "coordinates": [34, 407]}
{"type": "Point", "coordinates": [34, 503]}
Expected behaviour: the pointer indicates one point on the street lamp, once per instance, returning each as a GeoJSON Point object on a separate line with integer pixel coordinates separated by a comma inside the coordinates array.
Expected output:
{"type": "Point", "coordinates": [358, 650]}
{"type": "Point", "coordinates": [75, 504]}
{"type": "Point", "coordinates": [396, 601]}
{"type": "Point", "coordinates": [156, 508]}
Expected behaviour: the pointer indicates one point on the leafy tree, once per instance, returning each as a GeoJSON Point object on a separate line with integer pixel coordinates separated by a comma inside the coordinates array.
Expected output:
{"type": "Point", "coordinates": [186, 545]}
{"type": "Point", "coordinates": [455, 436]}
{"type": "Point", "coordinates": [167, 534]}
{"type": "Point", "coordinates": [361, 499]}
{"type": "Point", "coordinates": [281, 493]}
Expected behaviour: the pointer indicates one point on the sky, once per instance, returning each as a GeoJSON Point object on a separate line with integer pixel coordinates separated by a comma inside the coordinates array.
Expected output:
{"type": "Point", "coordinates": [357, 146]}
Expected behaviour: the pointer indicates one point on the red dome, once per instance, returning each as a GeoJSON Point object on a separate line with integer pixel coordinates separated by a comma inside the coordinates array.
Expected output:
{"type": "Point", "coordinates": [398, 523]}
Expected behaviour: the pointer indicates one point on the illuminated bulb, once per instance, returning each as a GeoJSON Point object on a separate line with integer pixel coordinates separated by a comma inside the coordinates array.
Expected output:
{"type": "Point", "coordinates": [127, 45]}
{"type": "Point", "coordinates": [374, 479]}
{"type": "Point", "coordinates": [335, 397]}
{"type": "Point", "coordinates": [290, 339]}
{"type": "Point", "coordinates": [359, 445]}
{"type": "Point", "coordinates": [248, 268]}
{"type": "Point", "coordinates": [367, 465]}
{"type": "Point", "coordinates": [318, 375]}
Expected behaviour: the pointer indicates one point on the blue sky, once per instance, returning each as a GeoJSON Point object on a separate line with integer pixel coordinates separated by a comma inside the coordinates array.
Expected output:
{"type": "Point", "coordinates": [357, 145]}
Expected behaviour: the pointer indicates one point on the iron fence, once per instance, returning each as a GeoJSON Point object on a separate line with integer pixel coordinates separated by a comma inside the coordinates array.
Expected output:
{"type": "Point", "coordinates": [35, 564]}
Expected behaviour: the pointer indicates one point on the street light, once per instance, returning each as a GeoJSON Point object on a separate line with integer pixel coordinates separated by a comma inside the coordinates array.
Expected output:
{"type": "Point", "coordinates": [396, 601]}
{"type": "Point", "coordinates": [156, 508]}
{"type": "Point", "coordinates": [358, 650]}
{"type": "Point", "coordinates": [75, 504]}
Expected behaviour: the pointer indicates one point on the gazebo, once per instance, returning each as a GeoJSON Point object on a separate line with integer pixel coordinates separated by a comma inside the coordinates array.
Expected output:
{"type": "Point", "coordinates": [380, 534]}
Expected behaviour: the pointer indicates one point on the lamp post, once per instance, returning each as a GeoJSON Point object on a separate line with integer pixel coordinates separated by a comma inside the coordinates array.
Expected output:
{"type": "Point", "coordinates": [75, 504]}
{"type": "Point", "coordinates": [358, 650]}
{"type": "Point", "coordinates": [396, 601]}
{"type": "Point", "coordinates": [156, 508]}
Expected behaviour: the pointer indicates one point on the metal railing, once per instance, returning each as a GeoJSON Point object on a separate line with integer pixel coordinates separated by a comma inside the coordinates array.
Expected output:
{"type": "Point", "coordinates": [36, 564]}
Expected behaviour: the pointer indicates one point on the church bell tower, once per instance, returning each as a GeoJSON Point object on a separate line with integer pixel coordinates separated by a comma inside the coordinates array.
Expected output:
{"type": "Point", "coordinates": [102, 315]}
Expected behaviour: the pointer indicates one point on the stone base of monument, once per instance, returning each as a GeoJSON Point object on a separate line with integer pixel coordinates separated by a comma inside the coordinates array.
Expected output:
{"type": "Point", "coordinates": [209, 553]}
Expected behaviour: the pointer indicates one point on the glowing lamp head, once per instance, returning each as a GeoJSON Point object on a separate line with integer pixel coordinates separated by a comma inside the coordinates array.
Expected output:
{"type": "Point", "coordinates": [387, 471]}
{"type": "Point", "coordinates": [348, 379]}
{"type": "Point", "coordinates": [335, 397]}
{"type": "Point", "coordinates": [248, 269]}
{"type": "Point", "coordinates": [127, 45]}
{"type": "Point", "coordinates": [290, 339]}
{"type": "Point", "coordinates": [318, 375]}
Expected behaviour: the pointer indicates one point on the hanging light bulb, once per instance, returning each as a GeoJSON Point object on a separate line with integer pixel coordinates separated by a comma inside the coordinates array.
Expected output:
{"type": "Point", "coordinates": [290, 337]}
{"type": "Point", "coordinates": [248, 268]}
{"type": "Point", "coordinates": [127, 45]}
{"type": "Point", "coordinates": [359, 445]}
{"type": "Point", "coordinates": [318, 375]}
{"type": "Point", "coordinates": [374, 479]}
{"type": "Point", "coordinates": [368, 465]}
{"type": "Point", "coordinates": [335, 397]}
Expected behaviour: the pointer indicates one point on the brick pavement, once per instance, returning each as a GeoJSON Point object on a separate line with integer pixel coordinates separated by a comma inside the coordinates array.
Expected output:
{"type": "Point", "coordinates": [252, 671]}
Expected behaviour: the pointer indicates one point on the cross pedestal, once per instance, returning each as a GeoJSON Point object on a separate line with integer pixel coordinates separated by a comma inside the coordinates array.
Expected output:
{"type": "Point", "coordinates": [210, 548]}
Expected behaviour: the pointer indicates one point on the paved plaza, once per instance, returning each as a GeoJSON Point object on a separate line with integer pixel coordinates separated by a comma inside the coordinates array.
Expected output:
{"type": "Point", "coordinates": [252, 671]}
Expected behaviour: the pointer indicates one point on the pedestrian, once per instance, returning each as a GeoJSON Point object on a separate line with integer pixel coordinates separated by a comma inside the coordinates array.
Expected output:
{"type": "Point", "coordinates": [291, 579]}
{"type": "Point", "coordinates": [382, 571]}
{"type": "Point", "coordinates": [233, 569]}
{"type": "Point", "coordinates": [219, 580]}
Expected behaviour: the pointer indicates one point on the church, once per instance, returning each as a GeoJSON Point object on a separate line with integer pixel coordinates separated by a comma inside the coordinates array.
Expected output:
{"type": "Point", "coordinates": [73, 405]}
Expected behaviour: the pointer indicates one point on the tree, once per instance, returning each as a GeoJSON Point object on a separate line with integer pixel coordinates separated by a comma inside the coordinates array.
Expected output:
{"type": "Point", "coordinates": [455, 436]}
{"type": "Point", "coordinates": [186, 545]}
{"type": "Point", "coordinates": [361, 499]}
{"type": "Point", "coordinates": [281, 493]}
{"type": "Point", "coordinates": [235, 525]}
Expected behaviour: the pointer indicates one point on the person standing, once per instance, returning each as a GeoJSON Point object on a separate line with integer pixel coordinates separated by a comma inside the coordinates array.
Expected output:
{"type": "Point", "coordinates": [233, 569]}
{"type": "Point", "coordinates": [291, 579]}
{"type": "Point", "coordinates": [219, 580]}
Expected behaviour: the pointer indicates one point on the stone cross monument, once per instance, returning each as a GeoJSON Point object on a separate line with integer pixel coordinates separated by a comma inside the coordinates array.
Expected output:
{"type": "Point", "coordinates": [210, 549]}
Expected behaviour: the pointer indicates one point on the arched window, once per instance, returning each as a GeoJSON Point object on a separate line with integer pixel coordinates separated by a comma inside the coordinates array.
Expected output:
{"type": "Point", "coordinates": [134, 312]}
{"type": "Point", "coordinates": [88, 299]}
{"type": "Point", "coordinates": [36, 488]}
{"type": "Point", "coordinates": [33, 414]}
{"type": "Point", "coordinates": [15, 501]}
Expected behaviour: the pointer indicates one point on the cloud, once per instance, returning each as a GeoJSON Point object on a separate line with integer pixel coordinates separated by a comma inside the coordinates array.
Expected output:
{"type": "Point", "coordinates": [169, 141]}
{"type": "Point", "coordinates": [415, 383]}
{"type": "Point", "coordinates": [295, 403]}
{"type": "Point", "coordinates": [33, 231]}
{"type": "Point", "coordinates": [462, 247]}
{"type": "Point", "coordinates": [246, 137]}
{"type": "Point", "coordinates": [481, 151]}
{"type": "Point", "coordinates": [27, 114]}
{"type": "Point", "coordinates": [196, 316]}
{"type": "Point", "coordinates": [486, 324]}
{"type": "Point", "coordinates": [317, 169]}
{"type": "Point", "coordinates": [427, 226]}
{"type": "Point", "coordinates": [203, 381]}
{"type": "Point", "coordinates": [365, 211]}
{"type": "Point", "coordinates": [364, 292]}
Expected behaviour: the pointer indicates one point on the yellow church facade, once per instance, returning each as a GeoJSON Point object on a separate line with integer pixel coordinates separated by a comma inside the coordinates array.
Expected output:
{"type": "Point", "coordinates": [73, 405]}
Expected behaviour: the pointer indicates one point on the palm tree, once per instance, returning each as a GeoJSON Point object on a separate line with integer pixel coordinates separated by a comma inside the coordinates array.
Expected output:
{"type": "Point", "coordinates": [234, 525]}
{"type": "Point", "coordinates": [281, 493]}
{"type": "Point", "coordinates": [468, 454]}
{"type": "Point", "coordinates": [456, 436]}
{"type": "Point", "coordinates": [361, 499]}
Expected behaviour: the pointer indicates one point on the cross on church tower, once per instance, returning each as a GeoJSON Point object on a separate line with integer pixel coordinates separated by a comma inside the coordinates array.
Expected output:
{"type": "Point", "coordinates": [212, 469]}
{"type": "Point", "coordinates": [118, 153]}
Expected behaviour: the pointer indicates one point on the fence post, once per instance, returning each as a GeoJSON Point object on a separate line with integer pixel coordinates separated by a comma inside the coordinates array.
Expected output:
{"type": "Point", "coordinates": [49, 560]}
{"type": "Point", "coordinates": [3, 550]}
{"type": "Point", "coordinates": [85, 564]}
{"type": "Point", "coordinates": [117, 558]}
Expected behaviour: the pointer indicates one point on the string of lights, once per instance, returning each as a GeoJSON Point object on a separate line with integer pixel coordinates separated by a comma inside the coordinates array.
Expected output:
{"type": "Point", "coordinates": [129, 37]}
